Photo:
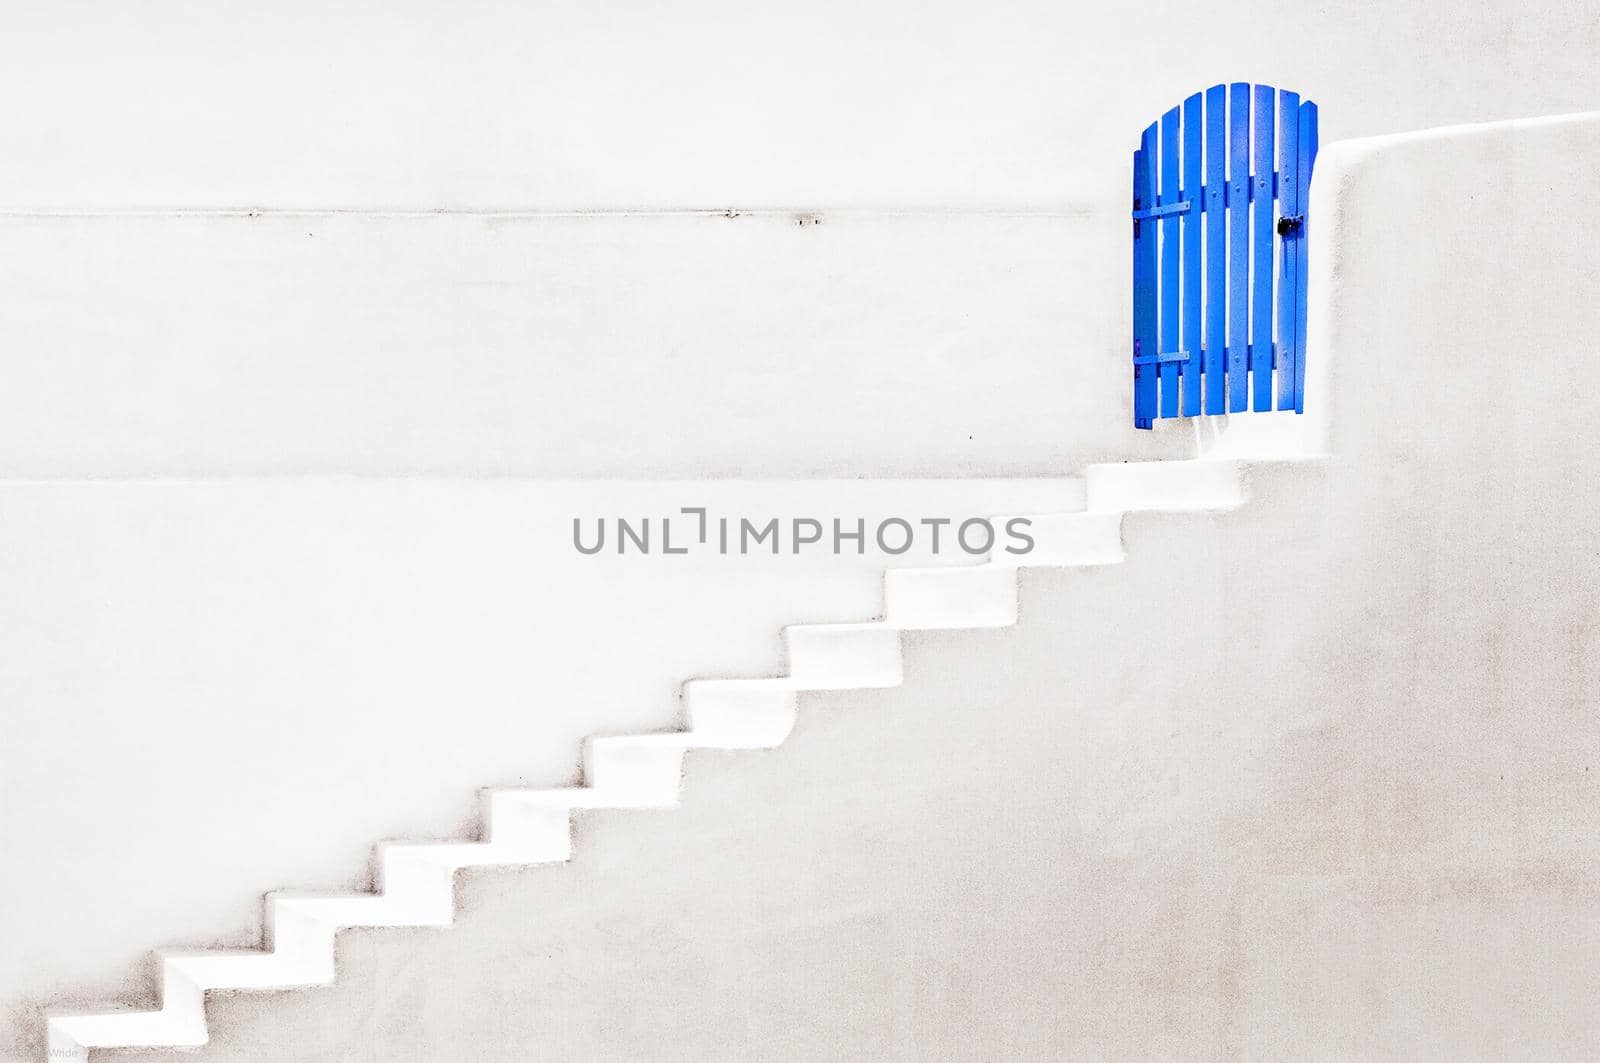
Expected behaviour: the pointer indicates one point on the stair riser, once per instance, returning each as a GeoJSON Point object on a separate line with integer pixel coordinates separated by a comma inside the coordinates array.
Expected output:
{"type": "Point", "coordinates": [739, 714]}
{"type": "Point", "coordinates": [542, 832]}
{"type": "Point", "coordinates": [308, 942]}
{"type": "Point", "coordinates": [973, 597]}
{"type": "Point", "coordinates": [1167, 485]}
{"type": "Point", "coordinates": [635, 771]}
{"type": "Point", "coordinates": [843, 657]}
{"type": "Point", "coordinates": [1069, 540]}
{"type": "Point", "coordinates": [417, 891]}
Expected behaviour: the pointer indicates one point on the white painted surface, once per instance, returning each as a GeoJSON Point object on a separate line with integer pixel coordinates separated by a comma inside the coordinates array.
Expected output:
{"type": "Point", "coordinates": [1316, 778]}
{"type": "Point", "coordinates": [876, 103]}
{"type": "Point", "coordinates": [634, 345]}
{"type": "Point", "coordinates": [216, 689]}
{"type": "Point", "coordinates": [413, 883]}
{"type": "Point", "coordinates": [1512, 285]}
{"type": "Point", "coordinates": [286, 627]}
{"type": "Point", "coordinates": [653, 346]}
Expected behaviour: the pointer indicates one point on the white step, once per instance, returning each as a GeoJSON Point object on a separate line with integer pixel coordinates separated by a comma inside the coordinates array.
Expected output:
{"type": "Point", "coordinates": [843, 656]}
{"type": "Point", "coordinates": [1165, 485]}
{"type": "Point", "coordinates": [242, 969]}
{"type": "Point", "coordinates": [636, 771]}
{"type": "Point", "coordinates": [72, 1035]}
{"type": "Point", "coordinates": [970, 596]}
{"type": "Point", "coordinates": [417, 883]}
{"type": "Point", "coordinates": [453, 856]}
{"type": "Point", "coordinates": [301, 936]}
{"type": "Point", "coordinates": [180, 1023]}
{"type": "Point", "coordinates": [739, 713]}
{"type": "Point", "coordinates": [1062, 540]}
{"type": "Point", "coordinates": [340, 910]}
{"type": "Point", "coordinates": [530, 820]}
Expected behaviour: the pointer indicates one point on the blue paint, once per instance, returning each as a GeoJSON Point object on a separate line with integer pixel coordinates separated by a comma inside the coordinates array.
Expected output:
{"type": "Point", "coordinates": [1204, 225]}
{"type": "Point", "coordinates": [1216, 278]}
{"type": "Point", "coordinates": [1307, 159]}
{"type": "Point", "coordinates": [1183, 206]}
{"type": "Point", "coordinates": [1191, 370]}
{"type": "Point", "coordinates": [1238, 246]}
{"type": "Point", "coordinates": [1261, 254]}
{"type": "Point", "coordinates": [1144, 284]}
{"type": "Point", "coordinates": [1169, 262]}
{"type": "Point", "coordinates": [1288, 269]}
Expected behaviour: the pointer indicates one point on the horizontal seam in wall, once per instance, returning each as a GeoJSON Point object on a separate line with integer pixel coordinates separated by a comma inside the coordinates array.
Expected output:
{"type": "Point", "coordinates": [718, 212]}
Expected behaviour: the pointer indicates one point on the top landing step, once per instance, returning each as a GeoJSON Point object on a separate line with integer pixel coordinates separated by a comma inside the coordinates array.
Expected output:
{"type": "Point", "coordinates": [1165, 485]}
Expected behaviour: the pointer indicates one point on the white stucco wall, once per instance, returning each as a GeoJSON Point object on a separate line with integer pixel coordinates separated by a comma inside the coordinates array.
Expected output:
{"type": "Point", "coordinates": [639, 345]}
{"type": "Point", "coordinates": [675, 345]}
{"type": "Point", "coordinates": [314, 616]}
{"type": "Point", "coordinates": [883, 103]}
{"type": "Point", "coordinates": [213, 689]}
{"type": "Point", "coordinates": [1314, 779]}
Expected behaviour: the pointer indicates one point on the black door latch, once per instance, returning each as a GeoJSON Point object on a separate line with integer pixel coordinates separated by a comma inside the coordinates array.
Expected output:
{"type": "Point", "coordinates": [1290, 226]}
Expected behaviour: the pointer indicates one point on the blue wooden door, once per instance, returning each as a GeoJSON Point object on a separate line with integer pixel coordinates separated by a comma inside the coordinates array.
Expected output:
{"type": "Point", "coordinates": [1219, 254]}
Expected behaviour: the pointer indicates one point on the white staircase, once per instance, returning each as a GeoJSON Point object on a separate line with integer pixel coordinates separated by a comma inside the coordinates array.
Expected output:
{"type": "Point", "coordinates": [415, 882]}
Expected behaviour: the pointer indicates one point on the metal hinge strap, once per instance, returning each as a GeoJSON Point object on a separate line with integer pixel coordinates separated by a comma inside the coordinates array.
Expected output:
{"type": "Point", "coordinates": [1160, 359]}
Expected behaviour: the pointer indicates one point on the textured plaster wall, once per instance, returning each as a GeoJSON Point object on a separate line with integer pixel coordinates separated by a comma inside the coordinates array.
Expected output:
{"type": "Point", "coordinates": [671, 346]}
{"type": "Point", "coordinates": [675, 347]}
{"type": "Point", "coordinates": [213, 690]}
{"type": "Point", "coordinates": [1316, 779]}
{"type": "Point", "coordinates": [232, 344]}
{"type": "Point", "coordinates": [433, 104]}
{"type": "Point", "coordinates": [209, 690]}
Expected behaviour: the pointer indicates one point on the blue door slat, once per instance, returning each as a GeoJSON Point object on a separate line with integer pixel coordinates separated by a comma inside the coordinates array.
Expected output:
{"type": "Point", "coordinates": [1216, 266]}
{"type": "Point", "coordinates": [1169, 262]}
{"type": "Point", "coordinates": [1288, 275]}
{"type": "Point", "coordinates": [1144, 284]}
{"type": "Point", "coordinates": [1261, 243]}
{"type": "Point", "coordinates": [1238, 244]}
{"type": "Point", "coordinates": [1190, 311]}
{"type": "Point", "coordinates": [1307, 155]}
